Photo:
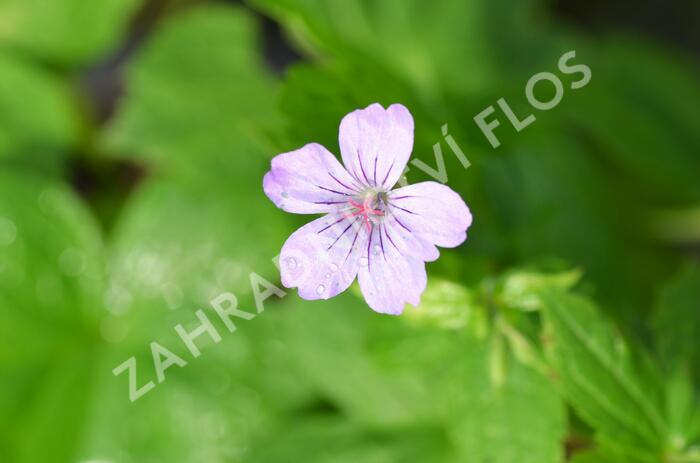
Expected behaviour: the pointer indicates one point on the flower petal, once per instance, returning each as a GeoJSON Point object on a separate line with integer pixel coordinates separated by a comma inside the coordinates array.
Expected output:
{"type": "Point", "coordinates": [322, 257]}
{"type": "Point", "coordinates": [407, 243]}
{"type": "Point", "coordinates": [375, 143]}
{"type": "Point", "coordinates": [309, 180]}
{"type": "Point", "coordinates": [388, 278]}
{"type": "Point", "coordinates": [432, 212]}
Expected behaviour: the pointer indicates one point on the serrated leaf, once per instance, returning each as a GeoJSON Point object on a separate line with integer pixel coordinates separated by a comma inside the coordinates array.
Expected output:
{"type": "Point", "coordinates": [602, 379]}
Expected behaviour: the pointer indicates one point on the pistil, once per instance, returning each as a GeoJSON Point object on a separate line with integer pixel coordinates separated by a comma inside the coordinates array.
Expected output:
{"type": "Point", "coordinates": [366, 209]}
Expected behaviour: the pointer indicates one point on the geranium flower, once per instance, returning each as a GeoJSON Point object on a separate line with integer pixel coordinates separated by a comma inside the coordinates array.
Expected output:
{"type": "Point", "coordinates": [380, 235]}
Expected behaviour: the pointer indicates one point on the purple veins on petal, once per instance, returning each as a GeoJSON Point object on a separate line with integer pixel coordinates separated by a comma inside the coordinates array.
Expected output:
{"type": "Point", "coordinates": [340, 183]}
{"type": "Point", "coordinates": [292, 182]}
{"type": "Point", "coordinates": [386, 232]}
{"type": "Point", "coordinates": [381, 241]}
{"type": "Point", "coordinates": [362, 168]}
{"type": "Point", "coordinates": [329, 226]}
{"type": "Point", "coordinates": [314, 262]}
{"type": "Point", "coordinates": [333, 191]}
{"type": "Point", "coordinates": [441, 217]}
{"type": "Point", "coordinates": [377, 133]}
{"type": "Point", "coordinates": [376, 158]}
{"type": "Point", "coordinates": [369, 245]}
{"type": "Point", "coordinates": [352, 245]}
{"type": "Point", "coordinates": [405, 210]}
{"type": "Point", "coordinates": [402, 225]}
{"type": "Point", "coordinates": [342, 233]}
{"type": "Point", "coordinates": [387, 172]}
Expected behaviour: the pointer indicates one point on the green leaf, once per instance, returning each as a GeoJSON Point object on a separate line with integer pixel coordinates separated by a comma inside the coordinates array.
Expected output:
{"type": "Point", "coordinates": [336, 344]}
{"type": "Point", "coordinates": [406, 38]}
{"type": "Point", "coordinates": [383, 372]}
{"type": "Point", "coordinates": [520, 289]}
{"type": "Point", "coordinates": [67, 32]}
{"type": "Point", "coordinates": [449, 46]}
{"type": "Point", "coordinates": [196, 95]}
{"type": "Point", "coordinates": [63, 330]}
{"type": "Point", "coordinates": [159, 259]}
{"type": "Point", "coordinates": [677, 321]}
{"type": "Point", "coordinates": [677, 327]}
{"type": "Point", "coordinates": [199, 99]}
{"type": "Point", "coordinates": [326, 440]}
{"type": "Point", "coordinates": [446, 305]}
{"type": "Point", "coordinates": [36, 118]}
{"type": "Point", "coordinates": [548, 198]}
{"type": "Point", "coordinates": [514, 417]}
{"type": "Point", "coordinates": [50, 281]}
{"type": "Point", "coordinates": [208, 410]}
{"type": "Point", "coordinates": [607, 384]}
{"type": "Point", "coordinates": [51, 285]}
{"type": "Point", "coordinates": [56, 416]}
{"type": "Point", "coordinates": [598, 456]}
{"type": "Point", "coordinates": [682, 412]}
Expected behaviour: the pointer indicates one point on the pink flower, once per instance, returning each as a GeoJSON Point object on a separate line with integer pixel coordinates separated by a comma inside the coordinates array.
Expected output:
{"type": "Point", "coordinates": [369, 231]}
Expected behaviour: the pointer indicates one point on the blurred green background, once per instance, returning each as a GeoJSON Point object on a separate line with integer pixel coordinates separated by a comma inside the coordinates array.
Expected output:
{"type": "Point", "coordinates": [134, 136]}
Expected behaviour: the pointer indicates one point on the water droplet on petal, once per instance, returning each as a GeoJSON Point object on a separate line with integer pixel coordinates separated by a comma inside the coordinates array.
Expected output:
{"type": "Point", "coordinates": [320, 289]}
{"type": "Point", "coordinates": [334, 268]}
{"type": "Point", "coordinates": [328, 275]}
{"type": "Point", "coordinates": [377, 249]}
{"type": "Point", "coordinates": [292, 263]}
{"type": "Point", "coordinates": [284, 194]}
{"type": "Point", "coordinates": [363, 262]}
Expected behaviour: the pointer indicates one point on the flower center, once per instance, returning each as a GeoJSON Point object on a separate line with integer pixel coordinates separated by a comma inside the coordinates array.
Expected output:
{"type": "Point", "coordinates": [369, 206]}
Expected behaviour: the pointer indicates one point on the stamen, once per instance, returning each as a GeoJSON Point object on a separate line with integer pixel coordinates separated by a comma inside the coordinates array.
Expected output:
{"type": "Point", "coordinates": [365, 210]}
